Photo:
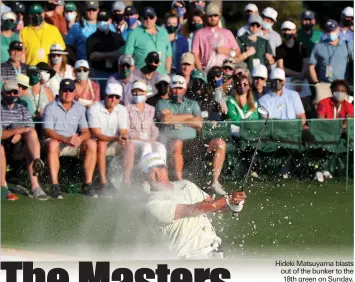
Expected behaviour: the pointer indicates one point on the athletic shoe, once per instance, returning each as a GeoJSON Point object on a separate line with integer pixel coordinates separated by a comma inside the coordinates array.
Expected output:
{"type": "Point", "coordinates": [37, 166]}
{"type": "Point", "coordinates": [12, 197]}
{"type": "Point", "coordinates": [218, 189]}
{"type": "Point", "coordinates": [319, 176]}
{"type": "Point", "coordinates": [18, 189]}
{"type": "Point", "coordinates": [89, 190]}
{"type": "Point", "coordinates": [56, 193]}
{"type": "Point", "coordinates": [38, 194]}
{"type": "Point", "coordinates": [104, 191]}
{"type": "Point", "coordinates": [327, 174]}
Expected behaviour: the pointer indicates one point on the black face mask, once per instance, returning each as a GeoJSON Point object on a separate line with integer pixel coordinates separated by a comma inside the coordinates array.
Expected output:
{"type": "Point", "coordinates": [276, 85]}
{"type": "Point", "coordinates": [197, 85]}
{"type": "Point", "coordinates": [9, 100]}
{"type": "Point", "coordinates": [36, 20]}
{"type": "Point", "coordinates": [151, 68]}
{"type": "Point", "coordinates": [118, 18]}
{"type": "Point", "coordinates": [348, 23]}
{"type": "Point", "coordinates": [307, 26]}
{"type": "Point", "coordinates": [287, 36]}
{"type": "Point", "coordinates": [51, 6]}
{"type": "Point", "coordinates": [162, 88]}
{"type": "Point", "coordinates": [171, 29]}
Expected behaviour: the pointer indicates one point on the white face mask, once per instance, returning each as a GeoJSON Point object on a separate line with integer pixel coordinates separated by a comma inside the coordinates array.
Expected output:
{"type": "Point", "coordinates": [266, 25]}
{"type": "Point", "coordinates": [82, 75]}
{"type": "Point", "coordinates": [70, 16]}
{"type": "Point", "coordinates": [56, 60]}
{"type": "Point", "coordinates": [340, 96]}
{"type": "Point", "coordinates": [45, 76]}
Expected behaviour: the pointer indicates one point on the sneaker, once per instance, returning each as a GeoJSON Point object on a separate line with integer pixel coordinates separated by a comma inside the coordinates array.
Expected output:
{"type": "Point", "coordinates": [39, 194]}
{"type": "Point", "coordinates": [19, 189]}
{"type": "Point", "coordinates": [104, 191]}
{"type": "Point", "coordinates": [89, 190]}
{"type": "Point", "coordinates": [327, 174]}
{"type": "Point", "coordinates": [218, 189]}
{"type": "Point", "coordinates": [319, 176]}
{"type": "Point", "coordinates": [56, 193]}
{"type": "Point", "coordinates": [37, 166]}
{"type": "Point", "coordinates": [12, 197]}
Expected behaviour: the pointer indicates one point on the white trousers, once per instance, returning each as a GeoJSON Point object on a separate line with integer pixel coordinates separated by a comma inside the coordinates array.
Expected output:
{"type": "Point", "coordinates": [144, 148]}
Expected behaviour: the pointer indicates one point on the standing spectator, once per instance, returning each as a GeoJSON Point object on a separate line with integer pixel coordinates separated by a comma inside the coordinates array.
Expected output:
{"type": "Point", "coordinates": [62, 119]}
{"type": "Point", "coordinates": [125, 77]}
{"type": "Point", "coordinates": [259, 75]}
{"type": "Point", "coordinates": [58, 61]}
{"type": "Point", "coordinates": [249, 9]}
{"type": "Point", "coordinates": [347, 24]}
{"type": "Point", "coordinates": [212, 44]}
{"type": "Point", "coordinates": [13, 65]}
{"type": "Point", "coordinates": [193, 24]}
{"type": "Point", "coordinates": [55, 15]}
{"type": "Point", "coordinates": [150, 38]}
{"type": "Point", "coordinates": [269, 19]}
{"type": "Point", "coordinates": [162, 86]}
{"type": "Point", "coordinates": [87, 90]}
{"type": "Point", "coordinates": [131, 18]}
{"type": "Point", "coordinates": [103, 49]}
{"type": "Point", "coordinates": [8, 23]}
{"type": "Point", "coordinates": [255, 50]}
{"type": "Point", "coordinates": [307, 34]}
{"type": "Point", "coordinates": [228, 68]}
{"type": "Point", "coordinates": [70, 14]}
{"type": "Point", "coordinates": [18, 130]}
{"type": "Point", "coordinates": [178, 6]}
{"type": "Point", "coordinates": [108, 122]}
{"type": "Point", "coordinates": [19, 9]}
{"type": "Point", "coordinates": [198, 5]}
{"type": "Point", "coordinates": [187, 63]}
{"type": "Point", "coordinates": [118, 16]}
{"type": "Point", "coordinates": [179, 44]}
{"type": "Point", "coordinates": [39, 36]}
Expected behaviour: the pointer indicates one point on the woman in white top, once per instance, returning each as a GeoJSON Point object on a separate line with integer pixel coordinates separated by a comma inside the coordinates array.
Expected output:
{"type": "Point", "coordinates": [58, 61]}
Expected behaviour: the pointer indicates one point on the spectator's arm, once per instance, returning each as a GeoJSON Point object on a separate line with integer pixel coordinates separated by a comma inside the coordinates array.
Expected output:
{"type": "Point", "coordinates": [195, 122]}
{"type": "Point", "coordinates": [50, 133]}
{"type": "Point", "coordinates": [96, 133]}
{"type": "Point", "coordinates": [232, 113]}
{"type": "Point", "coordinates": [321, 110]}
{"type": "Point", "coordinates": [6, 134]}
{"type": "Point", "coordinates": [84, 134]}
{"type": "Point", "coordinates": [305, 67]}
{"type": "Point", "coordinates": [83, 126]}
{"type": "Point", "coordinates": [195, 49]}
{"type": "Point", "coordinates": [49, 94]}
{"type": "Point", "coordinates": [299, 109]}
{"type": "Point", "coordinates": [312, 65]}
{"type": "Point", "coordinates": [130, 42]}
{"type": "Point", "coordinates": [154, 131]}
{"type": "Point", "coordinates": [313, 74]}
{"type": "Point", "coordinates": [169, 62]}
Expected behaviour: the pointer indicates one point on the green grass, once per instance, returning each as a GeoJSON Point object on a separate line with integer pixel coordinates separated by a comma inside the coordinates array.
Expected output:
{"type": "Point", "coordinates": [277, 217]}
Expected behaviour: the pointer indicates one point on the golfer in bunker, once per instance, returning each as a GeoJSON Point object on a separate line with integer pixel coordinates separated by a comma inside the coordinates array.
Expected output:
{"type": "Point", "coordinates": [178, 211]}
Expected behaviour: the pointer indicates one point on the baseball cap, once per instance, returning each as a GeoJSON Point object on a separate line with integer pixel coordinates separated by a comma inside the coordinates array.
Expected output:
{"type": "Point", "coordinates": [149, 11]}
{"type": "Point", "coordinates": [348, 12]}
{"type": "Point", "coordinates": [70, 7]}
{"type": "Point", "coordinates": [229, 63]}
{"type": "Point", "coordinates": [288, 25]}
{"type": "Point", "coordinates": [259, 71]}
{"type": "Point", "coordinates": [153, 57]}
{"type": "Point", "coordinates": [130, 11]}
{"type": "Point", "coordinates": [277, 73]}
{"type": "Point", "coordinates": [67, 84]}
{"type": "Point", "coordinates": [32, 70]}
{"type": "Point", "coordinates": [150, 161]}
{"type": "Point", "coordinates": [331, 25]}
{"type": "Point", "coordinates": [251, 7]}
{"type": "Point", "coordinates": [23, 80]}
{"type": "Point", "coordinates": [81, 64]}
{"type": "Point", "coordinates": [57, 49]}
{"type": "Point", "coordinates": [8, 16]}
{"type": "Point", "coordinates": [59, 2]}
{"type": "Point", "coordinates": [126, 59]}
{"type": "Point", "coordinates": [42, 66]}
{"type": "Point", "coordinates": [11, 85]}
{"type": "Point", "coordinates": [181, 1]}
{"type": "Point", "coordinates": [255, 18]}
{"type": "Point", "coordinates": [118, 6]}
{"type": "Point", "coordinates": [163, 78]}
{"type": "Point", "coordinates": [188, 58]}
{"type": "Point", "coordinates": [35, 9]}
{"type": "Point", "coordinates": [16, 45]}
{"type": "Point", "coordinates": [270, 13]}
{"type": "Point", "coordinates": [114, 88]}
{"type": "Point", "coordinates": [91, 5]}
{"type": "Point", "coordinates": [197, 74]}
{"type": "Point", "coordinates": [177, 81]}
{"type": "Point", "coordinates": [212, 9]}
{"type": "Point", "coordinates": [18, 7]}
{"type": "Point", "coordinates": [140, 84]}
{"type": "Point", "coordinates": [103, 16]}
{"type": "Point", "coordinates": [308, 14]}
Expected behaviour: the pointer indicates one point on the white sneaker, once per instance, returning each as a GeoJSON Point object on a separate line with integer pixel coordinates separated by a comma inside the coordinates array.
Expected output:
{"type": "Point", "coordinates": [327, 174]}
{"type": "Point", "coordinates": [319, 176]}
{"type": "Point", "coordinates": [218, 189]}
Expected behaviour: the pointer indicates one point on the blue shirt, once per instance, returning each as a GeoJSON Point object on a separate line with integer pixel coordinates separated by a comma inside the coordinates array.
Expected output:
{"type": "Point", "coordinates": [179, 46]}
{"type": "Point", "coordinates": [346, 36]}
{"type": "Point", "coordinates": [65, 123]}
{"type": "Point", "coordinates": [77, 36]}
{"type": "Point", "coordinates": [286, 106]}
{"type": "Point", "coordinates": [324, 54]}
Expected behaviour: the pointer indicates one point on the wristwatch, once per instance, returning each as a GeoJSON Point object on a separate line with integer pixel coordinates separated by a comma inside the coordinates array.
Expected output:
{"type": "Point", "coordinates": [232, 54]}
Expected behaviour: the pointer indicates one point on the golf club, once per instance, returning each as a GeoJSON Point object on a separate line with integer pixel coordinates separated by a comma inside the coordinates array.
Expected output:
{"type": "Point", "coordinates": [264, 112]}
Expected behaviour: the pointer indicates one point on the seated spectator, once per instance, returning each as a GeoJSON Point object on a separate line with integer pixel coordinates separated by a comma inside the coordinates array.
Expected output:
{"type": "Point", "coordinates": [18, 134]}
{"type": "Point", "coordinates": [193, 24]}
{"type": "Point", "coordinates": [259, 87]}
{"type": "Point", "coordinates": [269, 19]}
{"type": "Point", "coordinates": [241, 68]}
{"type": "Point", "coordinates": [70, 14]}
{"type": "Point", "coordinates": [13, 66]}
{"type": "Point", "coordinates": [187, 63]}
{"type": "Point", "coordinates": [23, 82]}
{"type": "Point", "coordinates": [118, 16]}
{"type": "Point", "coordinates": [63, 118]}
{"type": "Point", "coordinates": [228, 69]}
{"type": "Point", "coordinates": [19, 9]}
{"type": "Point", "coordinates": [108, 122]}
{"type": "Point", "coordinates": [179, 44]}
{"type": "Point", "coordinates": [46, 73]}
{"type": "Point", "coordinates": [8, 23]}
{"type": "Point", "coordinates": [336, 106]}
{"type": "Point", "coordinates": [162, 86]}
{"type": "Point", "coordinates": [254, 49]}
{"type": "Point", "coordinates": [347, 24]}
{"type": "Point", "coordinates": [131, 18]}
{"type": "Point", "coordinates": [149, 72]}
{"type": "Point", "coordinates": [142, 130]}
{"type": "Point", "coordinates": [125, 77]}
{"type": "Point", "coordinates": [55, 15]}
{"type": "Point", "coordinates": [182, 117]}
{"type": "Point", "coordinates": [87, 90]}
{"type": "Point", "coordinates": [39, 36]}
{"type": "Point", "coordinates": [249, 9]}
{"type": "Point", "coordinates": [59, 62]}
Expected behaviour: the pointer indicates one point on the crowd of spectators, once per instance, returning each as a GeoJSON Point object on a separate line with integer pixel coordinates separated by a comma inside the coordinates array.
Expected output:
{"type": "Point", "coordinates": [114, 83]}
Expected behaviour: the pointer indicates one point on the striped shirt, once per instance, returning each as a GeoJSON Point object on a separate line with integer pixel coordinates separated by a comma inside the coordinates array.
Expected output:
{"type": "Point", "coordinates": [8, 71]}
{"type": "Point", "coordinates": [17, 117]}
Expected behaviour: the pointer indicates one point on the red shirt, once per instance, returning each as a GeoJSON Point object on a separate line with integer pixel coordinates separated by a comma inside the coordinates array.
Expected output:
{"type": "Point", "coordinates": [326, 108]}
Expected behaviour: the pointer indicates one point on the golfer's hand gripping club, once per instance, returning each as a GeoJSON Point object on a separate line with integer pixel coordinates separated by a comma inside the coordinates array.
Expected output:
{"type": "Point", "coordinates": [235, 201]}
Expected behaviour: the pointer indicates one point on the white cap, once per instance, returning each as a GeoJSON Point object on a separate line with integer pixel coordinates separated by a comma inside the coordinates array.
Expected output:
{"type": "Point", "coordinates": [348, 12]}
{"type": "Point", "coordinates": [251, 7]}
{"type": "Point", "coordinates": [114, 88]}
{"type": "Point", "coordinates": [8, 16]}
{"type": "Point", "coordinates": [118, 6]}
{"type": "Point", "coordinates": [163, 77]}
{"type": "Point", "coordinates": [288, 25]}
{"type": "Point", "coordinates": [57, 49]}
{"type": "Point", "coordinates": [81, 64]}
{"type": "Point", "coordinates": [270, 13]}
{"type": "Point", "coordinates": [277, 74]}
{"type": "Point", "coordinates": [150, 161]}
{"type": "Point", "coordinates": [139, 84]}
{"type": "Point", "coordinates": [126, 59]}
{"type": "Point", "coordinates": [259, 71]}
{"type": "Point", "coordinates": [178, 81]}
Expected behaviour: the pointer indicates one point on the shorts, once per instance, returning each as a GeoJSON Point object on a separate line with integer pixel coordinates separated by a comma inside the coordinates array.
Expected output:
{"type": "Point", "coordinates": [16, 151]}
{"type": "Point", "coordinates": [66, 150]}
{"type": "Point", "coordinates": [114, 149]}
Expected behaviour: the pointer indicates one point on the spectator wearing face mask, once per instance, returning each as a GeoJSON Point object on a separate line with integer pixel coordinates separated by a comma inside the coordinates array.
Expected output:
{"type": "Point", "coordinates": [125, 77]}
{"type": "Point", "coordinates": [150, 38]}
{"type": "Point", "coordinates": [259, 87]}
{"type": "Point", "coordinates": [19, 9]}
{"type": "Point", "coordinates": [228, 68]}
{"type": "Point", "coordinates": [307, 34]}
{"type": "Point", "coordinates": [58, 61]}
{"type": "Point", "coordinates": [118, 16]}
{"type": "Point", "coordinates": [249, 9]}
{"type": "Point", "coordinates": [55, 15]}
{"type": "Point", "coordinates": [179, 43]}
{"type": "Point", "coordinates": [8, 35]}
{"type": "Point", "coordinates": [193, 24]}
{"type": "Point", "coordinates": [70, 14]}
{"type": "Point", "coordinates": [13, 66]}
{"type": "Point", "coordinates": [87, 90]}
{"type": "Point", "coordinates": [103, 49]}
{"type": "Point", "coordinates": [198, 5]}
{"type": "Point", "coordinates": [39, 36]}
{"type": "Point", "coordinates": [347, 24]}
{"type": "Point", "coordinates": [269, 16]}
{"type": "Point", "coordinates": [24, 98]}
{"type": "Point", "coordinates": [162, 86]}
{"type": "Point", "coordinates": [131, 17]}
{"type": "Point", "coordinates": [180, 8]}
{"type": "Point", "coordinates": [187, 63]}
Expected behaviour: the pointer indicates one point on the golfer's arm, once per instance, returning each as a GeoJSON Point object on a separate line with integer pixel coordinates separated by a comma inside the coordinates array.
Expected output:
{"type": "Point", "coordinates": [96, 133]}
{"type": "Point", "coordinates": [183, 211]}
{"type": "Point", "coordinates": [50, 133]}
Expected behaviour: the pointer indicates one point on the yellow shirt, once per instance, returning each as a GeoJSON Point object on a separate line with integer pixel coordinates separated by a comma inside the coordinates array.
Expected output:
{"type": "Point", "coordinates": [37, 42]}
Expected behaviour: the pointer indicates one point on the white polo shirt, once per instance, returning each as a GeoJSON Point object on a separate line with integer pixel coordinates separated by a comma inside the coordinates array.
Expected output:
{"type": "Point", "coordinates": [185, 236]}
{"type": "Point", "coordinates": [110, 123]}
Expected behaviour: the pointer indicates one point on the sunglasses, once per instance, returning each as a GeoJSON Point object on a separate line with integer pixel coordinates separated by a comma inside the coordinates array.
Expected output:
{"type": "Point", "coordinates": [148, 17]}
{"type": "Point", "coordinates": [23, 87]}
{"type": "Point", "coordinates": [82, 70]}
{"type": "Point", "coordinates": [255, 24]}
{"type": "Point", "coordinates": [153, 61]}
{"type": "Point", "coordinates": [178, 82]}
{"type": "Point", "coordinates": [214, 16]}
{"type": "Point", "coordinates": [125, 66]}
{"type": "Point", "coordinates": [91, 10]}
{"type": "Point", "coordinates": [111, 96]}
{"type": "Point", "coordinates": [55, 55]}
{"type": "Point", "coordinates": [15, 92]}
{"type": "Point", "coordinates": [243, 84]}
{"type": "Point", "coordinates": [259, 78]}
{"type": "Point", "coordinates": [227, 68]}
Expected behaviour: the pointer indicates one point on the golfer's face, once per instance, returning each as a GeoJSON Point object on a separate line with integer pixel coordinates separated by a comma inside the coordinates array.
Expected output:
{"type": "Point", "coordinates": [156, 176]}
